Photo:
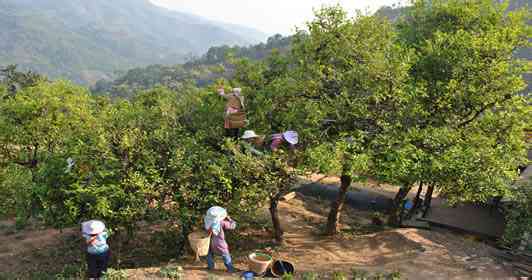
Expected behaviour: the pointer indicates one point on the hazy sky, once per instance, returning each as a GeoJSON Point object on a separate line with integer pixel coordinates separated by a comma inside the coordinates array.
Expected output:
{"type": "Point", "coordinates": [270, 16]}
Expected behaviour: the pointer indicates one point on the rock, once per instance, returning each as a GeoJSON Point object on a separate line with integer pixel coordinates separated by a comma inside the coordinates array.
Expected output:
{"type": "Point", "coordinates": [288, 196]}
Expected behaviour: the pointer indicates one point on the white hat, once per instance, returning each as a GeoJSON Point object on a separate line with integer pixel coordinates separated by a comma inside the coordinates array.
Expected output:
{"type": "Point", "coordinates": [214, 216]}
{"type": "Point", "coordinates": [92, 227]}
{"type": "Point", "coordinates": [217, 213]}
{"type": "Point", "coordinates": [237, 90]}
{"type": "Point", "coordinates": [249, 134]}
{"type": "Point", "coordinates": [291, 137]}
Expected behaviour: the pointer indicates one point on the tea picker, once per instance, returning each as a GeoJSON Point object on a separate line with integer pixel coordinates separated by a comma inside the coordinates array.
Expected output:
{"type": "Point", "coordinates": [216, 221]}
{"type": "Point", "coordinates": [235, 116]}
{"type": "Point", "coordinates": [290, 137]}
{"type": "Point", "coordinates": [98, 253]}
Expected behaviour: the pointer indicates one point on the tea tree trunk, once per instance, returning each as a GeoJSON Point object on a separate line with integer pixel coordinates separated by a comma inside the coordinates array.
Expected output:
{"type": "Point", "coordinates": [337, 205]}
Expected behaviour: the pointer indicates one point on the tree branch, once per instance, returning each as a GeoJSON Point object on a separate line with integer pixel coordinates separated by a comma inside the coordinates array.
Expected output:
{"type": "Point", "coordinates": [482, 110]}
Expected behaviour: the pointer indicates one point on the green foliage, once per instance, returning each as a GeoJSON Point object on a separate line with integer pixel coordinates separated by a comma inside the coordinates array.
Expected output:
{"type": "Point", "coordinates": [172, 77]}
{"type": "Point", "coordinates": [172, 272]}
{"type": "Point", "coordinates": [287, 277]}
{"type": "Point", "coordinates": [15, 80]}
{"type": "Point", "coordinates": [215, 64]}
{"type": "Point", "coordinates": [394, 275]}
{"type": "Point", "coordinates": [358, 274]}
{"type": "Point", "coordinates": [352, 75]}
{"type": "Point", "coordinates": [41, 127]}
{"type": "Point", "coordinates": [467, 117]}
{"type": "Point", "coordinates": [131, 159]}
{"type": "Point", "coordinates": [72, 272]}
{"type": "Point", "coordinates": [339, 276]}
{"type": "Point", "coordinates": [217, 55]}
{"type": "Point", "coordinates": [434, 99]}
{"type": "Point", "coordinates": [519, 215]}
{"type": "Point", "coordinates": [16, 190]}
{"type": "Point", "coordinates": [310, 276]}
{"type": "Point", "coordinates": [113, 274]}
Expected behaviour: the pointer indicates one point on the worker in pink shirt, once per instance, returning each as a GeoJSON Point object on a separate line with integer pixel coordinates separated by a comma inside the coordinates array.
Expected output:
{"type": "Point", "coordinates": [290, 137]}
{"type": "Point", "coordinates": [216, 222]}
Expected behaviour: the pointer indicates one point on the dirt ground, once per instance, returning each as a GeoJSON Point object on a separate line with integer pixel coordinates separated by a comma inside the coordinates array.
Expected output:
{"type": "Point", "coordinates": [416, 254]}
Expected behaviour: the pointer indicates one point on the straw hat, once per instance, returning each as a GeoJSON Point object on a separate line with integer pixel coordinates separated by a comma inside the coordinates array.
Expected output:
{"type": "Point", "coordinates": [291, 137]}
{"type": "Point", "coordinates": [92, 227]}
{"type": "Point", "coordinates": [248, 134]}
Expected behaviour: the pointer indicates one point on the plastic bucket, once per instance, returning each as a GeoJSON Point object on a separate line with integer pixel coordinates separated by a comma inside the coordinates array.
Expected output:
{"type": "Point", "coordinates": [280, 268]}
{"type": "Point", "coordinates": [248, 275]}
{"type": "Point", "coordinates": [259, 263]}
{"type": "Point", "coordinates": [200, 242]}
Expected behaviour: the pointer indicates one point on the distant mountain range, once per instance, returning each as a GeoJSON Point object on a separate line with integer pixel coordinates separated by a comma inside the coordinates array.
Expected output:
{"type": "Point", "coordinates": [87, 40]}
{"type": "Point", "coordinates": [201, 71]}
{"type": "Point", "coordinates": [206, 69]}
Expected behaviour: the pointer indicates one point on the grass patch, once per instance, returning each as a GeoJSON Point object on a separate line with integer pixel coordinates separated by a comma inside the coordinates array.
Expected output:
{"type": "Point", "coordinates": [172, 272]}
{"type": "Point", "coordinates": [113, 274]}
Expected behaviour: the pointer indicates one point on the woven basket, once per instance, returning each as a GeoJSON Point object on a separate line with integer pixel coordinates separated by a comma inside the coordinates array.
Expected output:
{"type": "Point", "coordinates": [237, 120]}
{"type": "Point", "coordinates": [200, 242]}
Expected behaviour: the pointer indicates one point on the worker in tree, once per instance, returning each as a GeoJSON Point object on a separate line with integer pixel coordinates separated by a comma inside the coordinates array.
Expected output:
{"type": "Point", "coordinates": [235, 116]}
{"type": "Point", "coordinates": [253, 143]}
{"type": "Point", "coordinates": [289, 137]}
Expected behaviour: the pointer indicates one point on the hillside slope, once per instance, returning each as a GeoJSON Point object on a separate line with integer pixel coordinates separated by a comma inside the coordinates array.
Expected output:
{"type": "Point", "coordinates": [87, 40]}
{"type": "Point", "coordinates": [201, 71]}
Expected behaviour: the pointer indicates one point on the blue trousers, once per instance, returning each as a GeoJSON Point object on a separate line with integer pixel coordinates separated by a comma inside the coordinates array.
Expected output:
{"type": "Point", "coordinates": [227, 261]}
{"type": "Point", "coordinates": [97, 264]}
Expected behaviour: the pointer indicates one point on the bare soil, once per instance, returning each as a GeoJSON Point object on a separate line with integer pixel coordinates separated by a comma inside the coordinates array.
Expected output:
{"type": "Point", "coordinates": [416, 254]}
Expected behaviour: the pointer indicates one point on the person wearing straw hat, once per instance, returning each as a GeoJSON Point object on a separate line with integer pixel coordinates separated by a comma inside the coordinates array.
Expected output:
{"type": "Point", "coordinates": [235, 117]}
{"type": "Point", "coordinates": [252, 142]}
{"type": "Point", "coordinates": [291, 137]}
{"type": "Point", "coordinates": [98, 252]}
{"type": "Point", "coordinates": [216, 221]}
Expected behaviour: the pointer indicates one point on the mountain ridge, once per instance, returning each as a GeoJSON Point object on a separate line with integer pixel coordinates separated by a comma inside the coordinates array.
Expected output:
{"type": "Point", "coordinates": [88, 40]}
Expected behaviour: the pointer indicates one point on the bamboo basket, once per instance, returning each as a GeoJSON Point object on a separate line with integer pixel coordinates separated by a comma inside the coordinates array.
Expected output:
{"type": "Point", "coordinates": [199, 242]}
{"type": "Point", "coordinates": [237, 120]}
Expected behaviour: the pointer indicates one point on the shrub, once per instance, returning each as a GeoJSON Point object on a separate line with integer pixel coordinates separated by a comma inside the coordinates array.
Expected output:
{"type": "Point", "coordinates": [16, 190]}
{"type": "Point", "coordinates": [113, 274]}
{"type": "Point", "coordinates": [519, 215]}
{"type": "Point", "coordinates": [72, 272]}
{"type": "Point", "coordinates": [310, 276]}
{"type": "Point", "coordinates": [172, 272]}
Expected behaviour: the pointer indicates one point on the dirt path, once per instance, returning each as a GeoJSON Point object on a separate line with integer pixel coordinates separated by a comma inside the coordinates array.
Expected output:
{"type": "Point", "coordinates": [20, 250]}
{"type": "Point", "coordinates": [416, 254]}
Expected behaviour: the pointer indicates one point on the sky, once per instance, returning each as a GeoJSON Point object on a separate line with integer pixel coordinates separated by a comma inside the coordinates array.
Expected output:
{"type": "Point", "coordinates": [269, 16]}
